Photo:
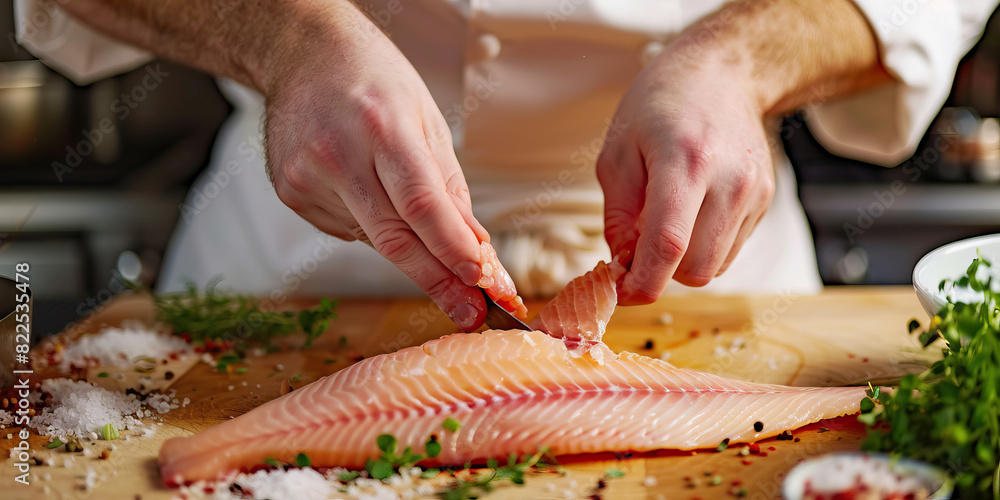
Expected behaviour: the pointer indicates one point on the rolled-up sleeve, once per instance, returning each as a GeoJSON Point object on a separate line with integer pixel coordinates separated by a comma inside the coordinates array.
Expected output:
{"type": "Point", "coordinates": [920, 43]}
{"type": "Point", "coordinates": [69, 46]}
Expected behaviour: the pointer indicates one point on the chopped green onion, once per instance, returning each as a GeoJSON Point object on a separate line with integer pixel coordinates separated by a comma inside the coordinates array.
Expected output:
{"type": "Point", "coordinates": [451, 425]}
{"type": "Point", "coordinates": [109, 432]}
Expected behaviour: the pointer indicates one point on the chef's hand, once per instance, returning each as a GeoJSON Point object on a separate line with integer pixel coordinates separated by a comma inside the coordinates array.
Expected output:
{"type": "Point", "coordinates": [687, 174]}
{"type": "Point", "coordinates": [686, 166]}
{"type": "Point", "coordinates": [357, 146]}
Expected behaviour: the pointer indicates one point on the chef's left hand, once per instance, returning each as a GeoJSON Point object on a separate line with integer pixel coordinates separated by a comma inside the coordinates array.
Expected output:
{"type": "Point", "coordinates": [686, 172]}
{"type": "Point", "coordinates": [686, 167]}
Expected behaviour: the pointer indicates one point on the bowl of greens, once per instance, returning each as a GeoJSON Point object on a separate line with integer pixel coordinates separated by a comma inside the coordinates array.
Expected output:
{"type": "Point", "coordinates": [948, 416]}
{"type": "Point", "coordinates": [940, 274]}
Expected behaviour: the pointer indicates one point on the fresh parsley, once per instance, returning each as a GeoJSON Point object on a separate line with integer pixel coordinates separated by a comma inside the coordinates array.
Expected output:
{"type": "Point", "coordinates": [949, 415]}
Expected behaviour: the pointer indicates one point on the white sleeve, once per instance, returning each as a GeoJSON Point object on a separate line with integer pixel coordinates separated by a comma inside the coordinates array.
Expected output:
{"type": "Point", "coordinates": [920, 44]}
{"type": "Point", "coordinates": [69, 46]}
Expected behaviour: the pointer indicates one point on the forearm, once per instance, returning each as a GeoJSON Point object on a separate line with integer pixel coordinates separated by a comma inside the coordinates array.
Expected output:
{"type": "Point", "coordinates": [239, 39]}
{"type": "Point", "coordinates": [791, 52]}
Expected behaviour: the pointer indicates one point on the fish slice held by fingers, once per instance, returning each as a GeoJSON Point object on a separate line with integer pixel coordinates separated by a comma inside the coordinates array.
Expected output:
{"type": "Point", "coordinates": [498, 283]}
{"type": "Point", "coordinates": [513, 392]}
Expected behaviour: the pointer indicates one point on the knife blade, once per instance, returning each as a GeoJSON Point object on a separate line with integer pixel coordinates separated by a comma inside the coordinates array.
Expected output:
{"type": "Point", "coordinates": [499, 318]}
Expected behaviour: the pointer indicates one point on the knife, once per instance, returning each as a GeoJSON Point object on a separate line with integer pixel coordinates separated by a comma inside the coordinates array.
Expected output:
{"type": "Point", "coordinates": [499, 318]}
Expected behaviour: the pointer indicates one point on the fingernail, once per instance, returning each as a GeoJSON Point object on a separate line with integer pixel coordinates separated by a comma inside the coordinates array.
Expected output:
{"type": "Point", "coordinates": [464, 315]}
{"type": "Point", "coordinates": [469, 272]}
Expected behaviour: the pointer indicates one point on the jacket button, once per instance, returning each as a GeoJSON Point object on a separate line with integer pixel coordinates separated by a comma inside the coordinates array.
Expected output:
{"type": "Point", "coordinates": [650, 51]}
{"type": "Point", "coordinates": [487, 47]}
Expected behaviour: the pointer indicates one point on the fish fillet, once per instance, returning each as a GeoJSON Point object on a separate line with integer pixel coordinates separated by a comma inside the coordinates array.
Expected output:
{"type": "Point", "coordinates": [513, 391]}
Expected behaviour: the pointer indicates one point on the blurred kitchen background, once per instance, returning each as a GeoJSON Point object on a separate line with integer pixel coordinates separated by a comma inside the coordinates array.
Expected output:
{"type": "Point", "coordinates": [107, 212]}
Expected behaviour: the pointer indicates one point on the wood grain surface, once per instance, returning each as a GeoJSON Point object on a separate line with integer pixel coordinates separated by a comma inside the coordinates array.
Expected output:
{"type": "Point", "coordinates": [843, 336]}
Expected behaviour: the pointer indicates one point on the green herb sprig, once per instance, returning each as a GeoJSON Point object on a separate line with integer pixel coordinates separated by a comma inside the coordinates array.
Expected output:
{"type": "Point", "coordinates": [212, 318]}
{"type": "Point", "coordinates": [950, 414]}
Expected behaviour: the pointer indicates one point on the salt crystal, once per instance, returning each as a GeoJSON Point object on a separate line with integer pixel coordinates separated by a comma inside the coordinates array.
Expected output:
{"type": "Point", "coordinates": [304, 484]}
{"type": "Point", "coordinates": [46, 477]}
{"type": "Point", "coordinates": [279, 367]}
{"type": "Point", "coordinates": [78, 408]}
{"type": "Point", "coordinates": [231, 388]}
{"type": "Point", "coordinates": [649, 482]}
{"type": "Point", "coordinates": [68, 463]}
{"type": "Point", "coordinates": [665, 355]}
{"type": "Point", "coordinates": [244, 383]}
{"type": "Point", "coordinates": [119, 347]}
{"type": "Point", "coordinates": [666, 319]}
{"type": "Point", "coordinates": [772, 364]}
{"type": "Point", "coordinates": [90, 479]}
{"type": "Point", "coordinates": [7, 418]}
{"type": "Point", "coordinates": [10, 436]}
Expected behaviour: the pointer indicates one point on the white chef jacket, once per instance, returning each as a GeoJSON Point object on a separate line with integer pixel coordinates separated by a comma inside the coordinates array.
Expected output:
{"type": "Point", "coordinates": [528, 88]}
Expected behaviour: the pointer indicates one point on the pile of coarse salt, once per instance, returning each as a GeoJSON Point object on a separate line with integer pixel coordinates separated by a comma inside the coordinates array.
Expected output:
{"type": "Point", "coordinates": [120, 347]}
{"type": "Point", "coordinates": [78, 408]}
{"type": "Point", "coordinates": [309, 484]}
{"type": "Point", "coordinates": [6, 418]}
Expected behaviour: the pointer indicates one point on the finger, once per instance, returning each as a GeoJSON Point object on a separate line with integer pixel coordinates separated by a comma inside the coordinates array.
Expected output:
{"type": "Point", "coordinates": [454, 178]}
{"type": "Point", "coordinates": [393, 237]}
{"type": "Point", "coordinates": [713, 235]}
{"type": "Point", "coordinates": [746, 229]}
{"type": "Point", "coordinates": [623, 180]}
{"type": "Point", "coordinates": [413, 181]}
{"type": "Point", "coordinates": [674, 196]}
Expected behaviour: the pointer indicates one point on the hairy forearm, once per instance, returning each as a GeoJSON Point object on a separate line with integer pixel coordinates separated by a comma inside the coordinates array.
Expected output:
{"type": "Point", "coordinates": [791, 52]}
{"type": "Point", "coordinates": [240, 39]}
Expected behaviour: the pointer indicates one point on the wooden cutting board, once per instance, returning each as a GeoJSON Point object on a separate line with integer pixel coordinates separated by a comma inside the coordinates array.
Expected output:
{"type": "Point", "coordinates": [843, 336]}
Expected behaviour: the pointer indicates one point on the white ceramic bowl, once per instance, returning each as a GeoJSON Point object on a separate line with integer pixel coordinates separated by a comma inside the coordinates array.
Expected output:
{"type": "Point", "coordinates": [873, 466]}
{"type": "Point", "coordinates": [950, 262]}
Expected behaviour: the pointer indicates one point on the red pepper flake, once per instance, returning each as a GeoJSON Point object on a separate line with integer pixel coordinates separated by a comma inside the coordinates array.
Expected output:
{"type": "Point", "coordinates": [754, 448]}
{"type": "Point", "coordinates": [745, 462]}
{"type": "Point", "coordinates": [694, 334]}
{"type": "Point", "coordinates": [850, 355]}
{"type": "Point", "coordinates": [737, 483]}
{"type": "Point", "coordinates": [797, 440]}
{"type": "Point", "coordinates": [772, 448]}
{"type": "Point", "coordinates": [864, 360]}
{"type": "Point", "coordinates": [763, 454]}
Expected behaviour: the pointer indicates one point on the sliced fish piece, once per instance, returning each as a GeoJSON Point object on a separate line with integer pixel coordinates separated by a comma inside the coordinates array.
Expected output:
{"type": "Point", "coordinates": [512, 391]}
{"type": "Point", "coordinates": [498, 283]}
{"type": "Point", "coordinates": [581, 311]}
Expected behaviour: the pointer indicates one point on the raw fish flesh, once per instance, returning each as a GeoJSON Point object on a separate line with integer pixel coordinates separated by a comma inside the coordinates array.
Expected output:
{"type": "Point", "coordinates": [513, 392]}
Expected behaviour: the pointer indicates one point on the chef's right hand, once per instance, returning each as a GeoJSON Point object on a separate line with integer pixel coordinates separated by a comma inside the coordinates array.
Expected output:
{"type": "Point", "coordinates": [357, 147]}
